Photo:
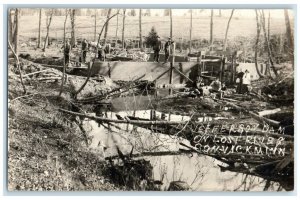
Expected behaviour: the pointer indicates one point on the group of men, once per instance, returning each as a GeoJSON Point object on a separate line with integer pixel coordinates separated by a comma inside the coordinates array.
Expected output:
{"type": "Point", "coordinates": [157, 48]}
{"type": "Point", "coordinates": [84, 49]}
{"type": "Point", "coordinates": [243, 81]}
{"type": "Point", "coordinates": [215, 87]}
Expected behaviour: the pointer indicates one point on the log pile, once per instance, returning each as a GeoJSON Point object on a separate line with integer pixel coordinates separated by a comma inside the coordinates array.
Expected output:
{"type": "Point", "coordinates": [46, 75]}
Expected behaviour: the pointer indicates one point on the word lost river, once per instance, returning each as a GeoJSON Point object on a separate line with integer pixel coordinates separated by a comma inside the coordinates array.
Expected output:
{"type": "Point", "coordinates": [240, 139]}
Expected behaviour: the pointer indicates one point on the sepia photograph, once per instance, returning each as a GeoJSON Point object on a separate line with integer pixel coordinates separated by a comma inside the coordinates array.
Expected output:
{"type": "Point", "coordinates": [147, 99]}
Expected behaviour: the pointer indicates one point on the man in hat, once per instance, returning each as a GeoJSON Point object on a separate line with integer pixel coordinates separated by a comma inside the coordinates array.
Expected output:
{"type": "Point", "coordinates": [246, 81]}
{"type": "Point", "coordinates": [101, 53]}
{"type": "Point", "coordinates": [84, 48]}
{"type": "Point", "coordinates": [156, 49]}
{"type": "Point", "coordinates": [67, 51]}
{"type": "Point", "coordinates": [239, 80]}
{"type": "Point", "coordinates": [167, 49]}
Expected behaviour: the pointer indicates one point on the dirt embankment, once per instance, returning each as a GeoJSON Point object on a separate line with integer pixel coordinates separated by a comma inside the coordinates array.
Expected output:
{"type": "Point", "coordinates": [47, 150]}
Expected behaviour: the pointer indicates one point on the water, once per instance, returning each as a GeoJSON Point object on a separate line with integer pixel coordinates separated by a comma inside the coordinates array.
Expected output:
{"type": "Point", "coordinates": [201, 172]}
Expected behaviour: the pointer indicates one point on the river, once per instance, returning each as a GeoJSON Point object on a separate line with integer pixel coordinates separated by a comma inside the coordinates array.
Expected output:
{"type": "Point", "coordinates": [201, 172]}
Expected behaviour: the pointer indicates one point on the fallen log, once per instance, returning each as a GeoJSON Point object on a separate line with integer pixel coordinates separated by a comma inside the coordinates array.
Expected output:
{"type": "Point", "coordinates": [269, 112]}
{"type": "Point", "coordinates": [135, 122]}
{"type": "Point", "coordinates": [48, 78]}
{"type": "Point", "coordinates": [37, 72]}
{"type": "Point", "coordinates": [160, 153]}
{"type": "Point", "coordinates": [255, 116]}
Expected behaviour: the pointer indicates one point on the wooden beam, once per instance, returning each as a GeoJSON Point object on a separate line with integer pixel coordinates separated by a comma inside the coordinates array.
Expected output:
{"type": "Point", "coordinates": [182, 74]}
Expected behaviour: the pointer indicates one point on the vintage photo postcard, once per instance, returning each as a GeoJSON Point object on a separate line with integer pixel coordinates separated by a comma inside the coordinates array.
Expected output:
{"type": "Point", "coordinates": [122, 99]}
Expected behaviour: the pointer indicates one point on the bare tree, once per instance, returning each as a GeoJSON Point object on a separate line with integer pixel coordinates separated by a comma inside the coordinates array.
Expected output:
{"type": "Point", "coordinates": [48, 23]}
{"type": "Point", "coordinates": [18, 66]}
{"type": "Point", "coordinates": [64, 69]}
{"type": "Point", "coordinates": [16, 34]}
{"type": "Point", "coordinates": [227, 28]}
{"type": "Point", "coordinates": [73, 28]}
{"type": "Point", "coordinates": [10, 26]}
{"type": "Point", "coordinates": [211, 27]}
{"type": "Point", "coordinates": [117, 28]}
{"type": "Point", "coordinates": [289, 35]}
{"type": "Point", "coordinates": [123, 28]}
{"type": "Point", "coordinates": [268, 43]}
{"type": "Point", "coordinates": [106, 25]}
{"type": "Point", "coordinates": [258, 29]}
{"type": "Point", "coordinates": [191, 28]}
{"type": "Point", "coordinates": [140, 29]}
{"type": "Point", "coordinates": [39, 36]}
{"type": "Point", "coordinates": [171, 24]}
{"type": "Point", "coordinates": [95, 25]}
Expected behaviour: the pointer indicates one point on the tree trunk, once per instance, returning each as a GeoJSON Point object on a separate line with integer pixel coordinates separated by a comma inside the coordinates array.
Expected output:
{"type": "Point", "coordinates": [123, 28]}
{"type": "Point", "coordinates": [268, 44]}
{"type": "Point", "coordinates": [211, 27]}
{"type": "Point", "coordinates": [49, 19]}
{"type": "Point", "coordinates": [289, 35]}
{"type": "Point", "coordinates": [258, 28]}
{"type": "Point", "coordinates": [18, 66]}
{"type": "Point", "coordinates": [10, 27]}
{"type": "Point", "coordinates": [117, 28]}
{"type": "Point", "coordinates": [73, 36]}
{"type": "Point", "coordinates": [64, 69]}
{"type": "Point", "coordinates": [16, 38]}
{"type": "Point", "coordinates": [191, 28]}
{"type": "Point", "coordinates": [39, 36]}
{"type": "Point", "coordinates": [95, 25]}
{"type": "Point", "coordinates": [106, 26]}
{"type": "Point", "coordinates": [140, 27]}
{"type": "Point", "coordinates": [227, 28]}
{"type": "Point", "coordinates": [171, 24]}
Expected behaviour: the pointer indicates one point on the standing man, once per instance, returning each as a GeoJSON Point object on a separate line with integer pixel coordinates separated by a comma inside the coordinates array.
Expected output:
{"type": "Point", "coordinates": [101, 54]}
{"type": "Point", "coordinates": [239, 80]}
{"type": "Point", "coordinates": [167, 49]}
{"type": "Point", "coordinates": [246, 82]}
{"type": "Point", "coordinates": [156, 49]}
{"type": "Point", "coordinates": [67, 51]}
{"type": "Point", "coordinates": [84, 48]}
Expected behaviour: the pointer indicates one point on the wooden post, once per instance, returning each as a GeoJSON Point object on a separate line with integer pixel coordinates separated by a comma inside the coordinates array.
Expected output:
{"type": "Point", "coordinates": [171, 67]}
{"type": "Point", "coordinates": [199, 68]}
{"type": "Point", "coordinates": [181, 76]}
{"type": "Point", "coordinates": [222, 69]}
{"type": "Point", "coordinates": [261, 68]}
{"type": "Point", "coordinates": [233, 68]}
{"type": "Point", "coordinates": [109, 70]}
